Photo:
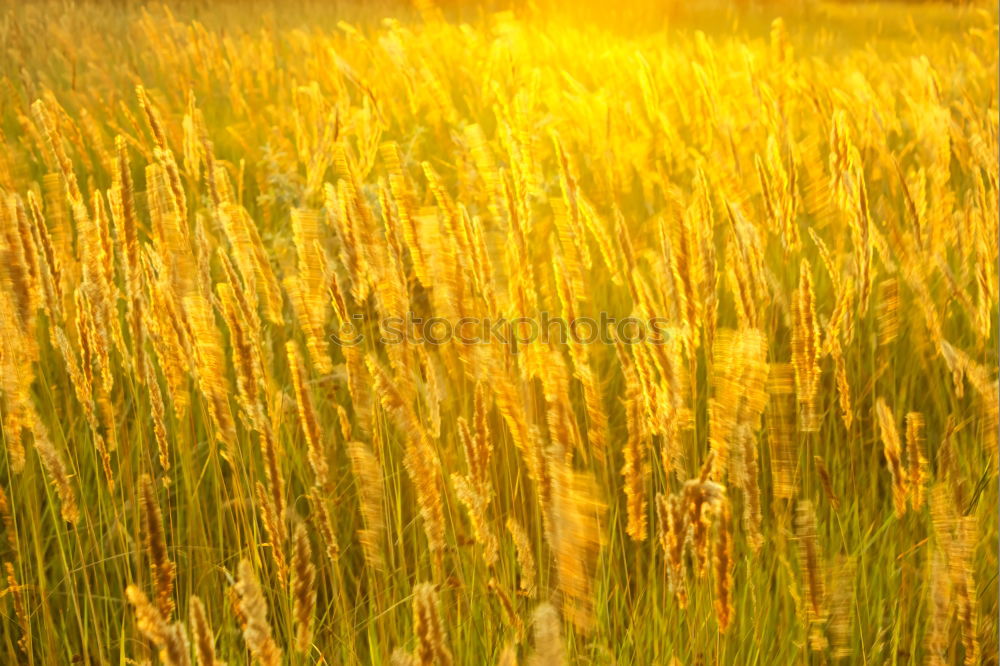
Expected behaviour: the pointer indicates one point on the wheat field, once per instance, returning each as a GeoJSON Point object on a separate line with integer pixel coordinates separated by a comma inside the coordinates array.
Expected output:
{"type": "Point", "coordinates": [775, 444]}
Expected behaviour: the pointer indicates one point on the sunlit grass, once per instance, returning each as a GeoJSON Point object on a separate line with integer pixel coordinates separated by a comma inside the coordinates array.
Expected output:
{"type": "Point", "coordinates": [197, 198]}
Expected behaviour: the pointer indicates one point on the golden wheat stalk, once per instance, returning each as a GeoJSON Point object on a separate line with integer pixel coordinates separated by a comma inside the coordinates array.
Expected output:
{"type": "Point", "coordinates": [253, 610]}
{"type": "Point", "coordinates": [432, 649]}
{"type": "Point", "coordinates": [812, 570]}
{"type": "Point", "coordinates": [158, 413]}
{"type": "Point", "coordinates": [25, 259]}
{"type": "Point", "coordinates": [916, 458]}
{"type": "Point", "coordinates": [248, 374]}
{"type": "Point", "coordinates": [420, 460]}
{"type": "Point", "coordinates": [204, 637]}
{"type": "Point", "coordinates": [274, 527]}
{"type": "Point", "coordinates": [672, 532]}
{"type": "Point", "coordinates": [940, 608]}
{"type": "Point", "coordinates": [476, 506]}
{"type": "Point", "coordinates": [525, 558]}
{"type": "Point", "coordinates": [162, 568]}
{"type": "Point", "coordinates": [59, 475]}
{"type": "Point", "coordinates": [805, 346]}
{"type": "Point", "coordinates": [509, 612]}
{"type": "Point", "coordinates": [546, 626]}
{"type": "Point", "coordinates": [303, 588]}
{"type": "Point", "coordinates": [48, 260]}
{"type": "Point", "coordinates": [20, 610]}
{"type": "Point", "coordinates": [575, 538]}
{"type": "Point", "coordinates": [170, 638]}
{"type": "Point", "coordinates": [9, 524]}
{"type": "Point", "coordinates": [827, 482]}
{"type": "Point", "coordinates": [893, 455]}
{"type": "Point", "coordinates": [369, 483]}
{"type": "Point", "coordinates": [723, 565]}
{"type": "Point", "coordinates": [54, 141]}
